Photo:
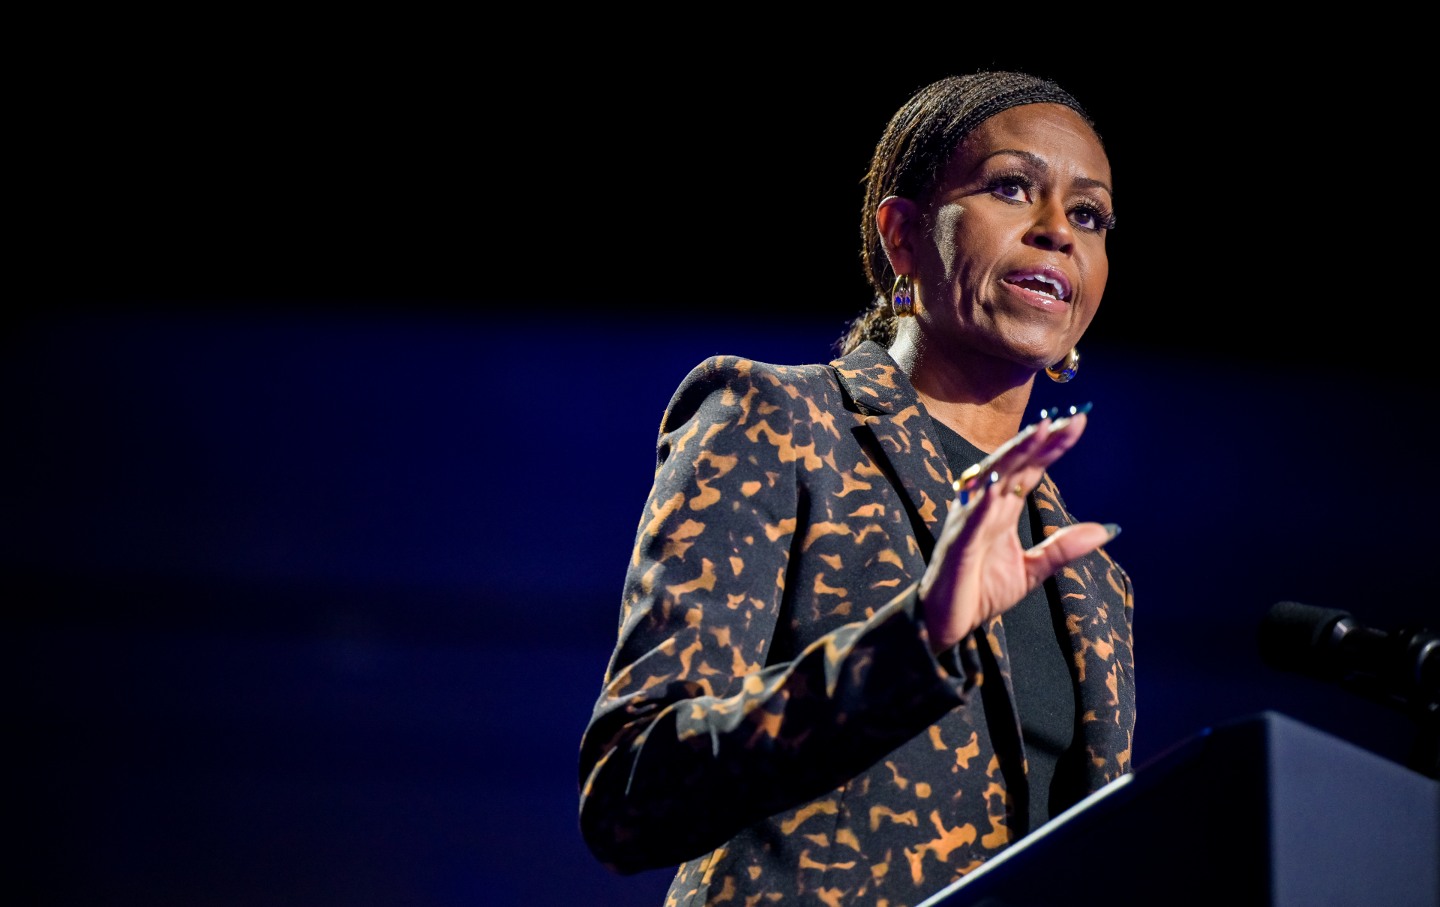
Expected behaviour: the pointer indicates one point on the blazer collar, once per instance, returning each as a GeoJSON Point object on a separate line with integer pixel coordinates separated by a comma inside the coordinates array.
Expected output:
{"type": "Point", "coordinates": [883, 395]}
{"type": "Point", "coordinates": [905, 441]}
{"type": "Point", "coordinates": [874, 381]}
{"type": "Point", "coordinates": [907, 448]}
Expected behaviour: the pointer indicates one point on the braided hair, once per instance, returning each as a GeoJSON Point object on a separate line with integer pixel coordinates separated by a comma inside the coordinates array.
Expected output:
{"type": "Point", "coordinates": [911, 156]}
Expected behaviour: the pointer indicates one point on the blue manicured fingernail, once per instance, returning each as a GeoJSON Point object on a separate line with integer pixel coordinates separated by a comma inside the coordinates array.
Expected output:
{"type": "Point", "coordinates": [1067, 411]}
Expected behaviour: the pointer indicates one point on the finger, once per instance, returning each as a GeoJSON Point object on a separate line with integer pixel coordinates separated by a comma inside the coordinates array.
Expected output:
{"type": "Point", "coordinates": [1065, 545]}
{"type": "Point", "coordinates": [1035, 453]}
{"type": "Point", "coordinates": [1048, 438]}
{"type": "Point", "coordinates": [1064, 434]}
{"type": "Point", "coordinates": [997, 485]}
{"type": "Point", "coordinates": [1009, 457]}
{"type": "Point", "coordinates": [1023, 458]}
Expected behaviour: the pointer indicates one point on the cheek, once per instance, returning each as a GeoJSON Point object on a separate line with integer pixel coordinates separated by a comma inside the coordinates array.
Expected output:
{"type": "Point", "coordinates": [946, 236]}
{"type": "Point", "coordinates": [966, 245]}
{"type": "Point", "coordinates": [1096, 276]}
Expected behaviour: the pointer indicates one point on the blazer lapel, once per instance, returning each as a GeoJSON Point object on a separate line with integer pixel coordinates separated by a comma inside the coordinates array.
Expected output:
{"type": "Point", "coordinates": [903, 443]}
{"type": "Point", "coordinates": [1095, 597]}
{"type": "Point", "coordinates": [1092, 589]}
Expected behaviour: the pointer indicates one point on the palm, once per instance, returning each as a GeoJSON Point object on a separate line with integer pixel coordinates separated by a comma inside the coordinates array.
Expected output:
{"type": "Point", "coordinates": [979, 568]}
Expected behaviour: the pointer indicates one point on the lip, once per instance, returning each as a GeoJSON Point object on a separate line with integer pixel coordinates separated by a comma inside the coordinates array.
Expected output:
{"type": "Point", "coordinates": [1044, 286]}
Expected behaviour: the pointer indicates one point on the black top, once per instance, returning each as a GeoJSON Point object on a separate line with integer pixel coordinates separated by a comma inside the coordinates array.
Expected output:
{"type": "Point", "coordinates": [1037, 641]}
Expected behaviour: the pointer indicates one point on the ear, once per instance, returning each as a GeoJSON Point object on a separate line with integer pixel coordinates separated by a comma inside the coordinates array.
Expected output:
{"type": "Point", "coordinates": [897, 219]}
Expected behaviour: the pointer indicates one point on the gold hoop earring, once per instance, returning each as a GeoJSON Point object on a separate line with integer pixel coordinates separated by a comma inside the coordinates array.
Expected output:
{"type": "Point", "coordinates": [902, 298]}
{"type": "Point", "coordinates": [1064, 370]}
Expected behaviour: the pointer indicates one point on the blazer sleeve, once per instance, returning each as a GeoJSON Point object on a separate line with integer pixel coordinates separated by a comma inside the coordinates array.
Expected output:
{"type": "Point", "coordinates": [696, 735]}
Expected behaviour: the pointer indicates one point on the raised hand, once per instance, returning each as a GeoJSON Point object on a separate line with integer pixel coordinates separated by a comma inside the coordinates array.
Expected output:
{"type": "Point", "coordinates": [979, 568]}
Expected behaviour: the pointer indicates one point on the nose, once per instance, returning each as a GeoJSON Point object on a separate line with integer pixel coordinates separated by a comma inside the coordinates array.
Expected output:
{"type": "Point", "coordinates": [1052, 229]}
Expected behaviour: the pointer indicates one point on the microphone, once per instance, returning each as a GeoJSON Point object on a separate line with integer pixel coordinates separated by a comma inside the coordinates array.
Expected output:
{"type": "Point", "coordinates": [1329, 644]}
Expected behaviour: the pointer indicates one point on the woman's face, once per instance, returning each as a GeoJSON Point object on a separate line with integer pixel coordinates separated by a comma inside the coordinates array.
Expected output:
{"type": "Point", "coordinates": [1013, 263]}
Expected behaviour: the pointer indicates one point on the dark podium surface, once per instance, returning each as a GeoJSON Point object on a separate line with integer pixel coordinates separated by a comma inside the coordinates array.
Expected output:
{"type": "Point", "coordinates": [1264, 810]}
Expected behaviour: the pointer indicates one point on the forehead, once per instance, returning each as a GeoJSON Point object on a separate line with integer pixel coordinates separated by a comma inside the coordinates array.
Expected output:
{"type": "Point", "coordinates": [1053, 132]}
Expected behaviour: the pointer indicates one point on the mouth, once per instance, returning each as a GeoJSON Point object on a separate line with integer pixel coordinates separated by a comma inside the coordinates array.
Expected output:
{"type": "Point", "coordinates": [1046, 282]}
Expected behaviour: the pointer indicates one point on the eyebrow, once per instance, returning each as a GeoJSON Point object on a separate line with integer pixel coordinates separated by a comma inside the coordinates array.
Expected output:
{"type": "Point", "coordinates": [1039, 163]}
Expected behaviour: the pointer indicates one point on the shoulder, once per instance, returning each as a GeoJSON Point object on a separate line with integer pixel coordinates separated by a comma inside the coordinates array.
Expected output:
{"type": "Point", "coordinates": [749, 385]}
{"type": "Point", "coordinates": [865, 379]}
{"type": "Point", "coordinates": [739, 369]}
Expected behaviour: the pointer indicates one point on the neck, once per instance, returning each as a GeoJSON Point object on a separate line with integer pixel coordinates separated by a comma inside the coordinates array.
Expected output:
{"type": "Point", "coordinates": [983, 399]}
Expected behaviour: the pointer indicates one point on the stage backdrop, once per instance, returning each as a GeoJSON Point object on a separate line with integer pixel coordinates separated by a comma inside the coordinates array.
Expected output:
{"type": "Point", "coordinates": [335, 356]}
{"type": "Point", "coordinates": [313, 607]}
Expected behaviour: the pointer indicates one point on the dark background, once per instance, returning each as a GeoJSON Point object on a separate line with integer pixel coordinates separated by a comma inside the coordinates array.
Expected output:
{"type": "Point", "coordinates": [337, 350]}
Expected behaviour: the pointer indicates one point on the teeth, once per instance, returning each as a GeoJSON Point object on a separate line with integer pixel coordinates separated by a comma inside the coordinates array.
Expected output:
{"type": "Point", "coordinates": [1043, 284]}
{"type": "Point", "coordinates": [1040, 278]}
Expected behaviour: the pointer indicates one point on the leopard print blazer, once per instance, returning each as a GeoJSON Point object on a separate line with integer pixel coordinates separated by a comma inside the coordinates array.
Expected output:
{"type": "Point", "coordinates": [772, 720]}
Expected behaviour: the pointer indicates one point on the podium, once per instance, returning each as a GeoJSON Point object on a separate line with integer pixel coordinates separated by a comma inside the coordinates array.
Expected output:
{"type": "Point", "coordinates": [1263, 810]}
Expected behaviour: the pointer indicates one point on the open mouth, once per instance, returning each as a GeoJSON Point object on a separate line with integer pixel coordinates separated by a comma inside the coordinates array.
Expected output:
{"type": "Point", "coordinates": [1044, 284]}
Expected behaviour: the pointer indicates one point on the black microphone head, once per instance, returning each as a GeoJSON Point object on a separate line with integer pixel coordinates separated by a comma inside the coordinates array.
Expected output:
{"type": "Point", "coordinates": [1296, 637]}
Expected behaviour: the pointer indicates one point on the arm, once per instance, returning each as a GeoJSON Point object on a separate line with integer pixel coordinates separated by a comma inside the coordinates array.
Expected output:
{"type": "Point", "coordinates": [694, 736]}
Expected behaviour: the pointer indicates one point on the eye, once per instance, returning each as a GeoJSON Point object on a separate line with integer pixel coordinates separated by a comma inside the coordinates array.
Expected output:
{"type": "Point", "coordinates": [1092, 218]}
{"type": "Point", "coordinates": [1011, 187]}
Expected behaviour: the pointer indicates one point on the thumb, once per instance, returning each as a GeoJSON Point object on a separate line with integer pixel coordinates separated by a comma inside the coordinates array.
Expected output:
{"type": "Point", "coordinates": [1065, 545]}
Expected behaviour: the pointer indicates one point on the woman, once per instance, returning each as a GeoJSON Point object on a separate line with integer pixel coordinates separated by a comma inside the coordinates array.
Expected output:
{"type": "Point", "coordinates": [863, 645]}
